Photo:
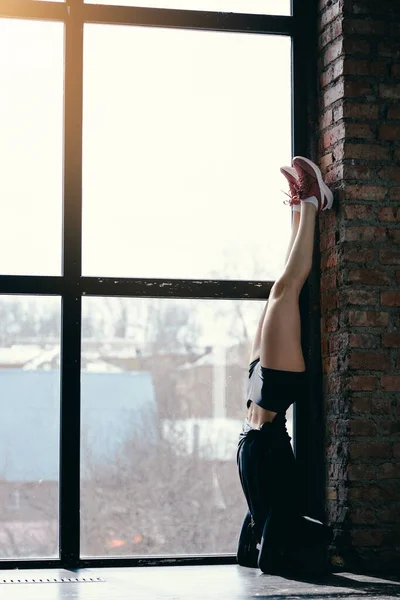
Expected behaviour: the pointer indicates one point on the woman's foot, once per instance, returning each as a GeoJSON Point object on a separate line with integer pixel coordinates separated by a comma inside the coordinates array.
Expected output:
{"type": "Point", "coordinates": [311, 187]}
{"type": "Point", "coordinates": [293, 180]}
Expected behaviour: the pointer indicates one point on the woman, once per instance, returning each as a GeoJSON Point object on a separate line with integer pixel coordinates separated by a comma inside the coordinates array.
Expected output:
{"type": "Point", "coordinates": [275, 534]}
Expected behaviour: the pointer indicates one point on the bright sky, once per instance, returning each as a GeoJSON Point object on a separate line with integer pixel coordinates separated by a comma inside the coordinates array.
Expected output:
{"type": "Point", "coordinates": [184, 133]}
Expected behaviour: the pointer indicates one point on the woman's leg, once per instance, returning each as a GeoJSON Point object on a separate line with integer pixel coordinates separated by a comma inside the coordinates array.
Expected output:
{"type": "Point", "coordinates": [255, 351]}
{"type": "Point", "coordinates": [281, 330]}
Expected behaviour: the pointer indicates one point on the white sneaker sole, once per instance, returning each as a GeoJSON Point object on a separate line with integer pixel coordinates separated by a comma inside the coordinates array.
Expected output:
{"type": "Point", "coordinates": [325, 191]}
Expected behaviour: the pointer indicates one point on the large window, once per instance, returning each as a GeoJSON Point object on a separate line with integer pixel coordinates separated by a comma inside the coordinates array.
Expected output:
{"type": "Point", "coordinates": [142, 227]}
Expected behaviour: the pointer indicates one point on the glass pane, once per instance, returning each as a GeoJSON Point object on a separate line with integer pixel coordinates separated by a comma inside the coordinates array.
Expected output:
{"type": "Point", "coordinates": [261, 7]}
{"type": "Point", "coordinates": [29, 426]}
{"type": "Point", "coordinates": [31, 126]}
{"type": "Point", "coordinates": [184, 134]}
{"type": "Point", "coordinates": [163, 402]}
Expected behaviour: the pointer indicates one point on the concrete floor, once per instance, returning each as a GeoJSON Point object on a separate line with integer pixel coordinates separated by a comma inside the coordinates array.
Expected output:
{"type": "Point", "coordinates": [222, 582]}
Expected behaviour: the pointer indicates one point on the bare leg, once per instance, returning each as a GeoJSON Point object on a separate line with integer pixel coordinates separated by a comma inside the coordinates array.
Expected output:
{"type": "Point", "coordinates": [281, 331]}
{"type": "Point", "coordinates": [255, 352]}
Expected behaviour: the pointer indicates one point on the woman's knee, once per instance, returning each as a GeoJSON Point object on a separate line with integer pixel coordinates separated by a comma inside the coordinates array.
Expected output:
{"type": "Point", "coordinates": [286, 285]}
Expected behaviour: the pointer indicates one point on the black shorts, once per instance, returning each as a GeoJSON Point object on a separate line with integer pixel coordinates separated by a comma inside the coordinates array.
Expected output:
{"type": "Point", "coordinates": [273, 389]}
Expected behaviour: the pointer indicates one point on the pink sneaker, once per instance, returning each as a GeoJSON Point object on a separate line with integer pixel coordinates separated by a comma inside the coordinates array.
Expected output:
{"type": "Point", "coordinates": [293, 181]}
{"type": "Point", "coordinates": [311, 183]}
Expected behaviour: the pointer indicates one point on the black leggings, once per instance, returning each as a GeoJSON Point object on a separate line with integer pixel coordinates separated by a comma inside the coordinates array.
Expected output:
{"type": "Point", "coordinates": [275, 533]}
{"type": "Point", "coordinates": [268, 472]}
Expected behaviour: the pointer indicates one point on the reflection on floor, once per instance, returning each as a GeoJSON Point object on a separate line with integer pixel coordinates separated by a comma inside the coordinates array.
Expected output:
{"type": "Point", "coordinates": [222, 582]}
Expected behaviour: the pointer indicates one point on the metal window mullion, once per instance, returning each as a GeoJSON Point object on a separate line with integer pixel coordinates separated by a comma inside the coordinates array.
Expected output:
{"type": "Point", "coordinates": [188, 19]}
{"type": "Point", "coordinates": [26, 9]}
{"type": "Point", "coordinates": [175, 288]}
{"type": "Point", "coordinates": [72, 301]}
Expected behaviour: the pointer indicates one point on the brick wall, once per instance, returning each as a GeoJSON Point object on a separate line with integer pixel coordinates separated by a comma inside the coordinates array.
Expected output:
{"type": "Point", "coordinates": [359, 151]}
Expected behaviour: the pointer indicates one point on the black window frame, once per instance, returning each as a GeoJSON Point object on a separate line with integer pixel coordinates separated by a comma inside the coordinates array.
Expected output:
{"type": "Point", "coordinates": [72, 286]}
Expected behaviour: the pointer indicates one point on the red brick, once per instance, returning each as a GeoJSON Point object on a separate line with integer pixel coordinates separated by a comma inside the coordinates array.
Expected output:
{"type": "Point", "coordinates": [358, 256]}
{"type": "Point", "coordinates": [358, 515]}
{"type": "Point", "coordinates": [354, 46]}
{"type": "Point", "coordinates": [389, 131]}
{"type": "Point", "coordinates": [389, 213]}
{"type": "Point", "coordinates": [327, 241]}
{"type": "Point", "coordinates": [368, 277]}
{"type": "Point", "coordinates": [359, 130]}
{"type": "Point", "coordinates": [329, 15]}
{"type": "Point", "coordinates": [391, 173]}
{"type": "Point", "coordinates": [332, 52]}
{"type": "Point", "coordinates": [330, 364]}
{"type": "Point", "coordinates": [368, 492]}
{"type": "Point", "coordinates": [395, 192]}
{"type": "Point", "coordinates": [333, 135]}
{"type": "Point", "coordinates": [395, 73]}
{"type": "Point", "coordinates": [385, 49]}
{"type": "Point", "coordinates": [357, 89]}
{"type": "Point", "coordinates": [361, 473]}
{"type": "Point", "coordinates": [394, 235]}
{"type": "Point", "coordinates": [379, 68]}
{"type": "Point", "coordinates": [388, 470]}
{"type": "Point", "coordinates": [389, 427]}
{"type": "Point", "coordinates": [334, 71]}
{"type": "Point", "coordinates": [375, 406]}
{"type": "Point", "coordinates": [364, 340]}
{"type": "Point", "coordinates": [364, 192]}
{"type": "Point", "coordinates": [362, 427]}
{"type": "Point", "coordinates": [356, 211]}
{"type": "Point", "coordinates": [391, 340]}
{"type": "Point", "coordinates": [328, 220]}
{"type": "Point", "coordinates": [329, 260]}
{"type": "Point", "coordinates": [356, 67]}
{"type": "Point", "coordinates": [390, 91]}
{"type": "Point", "coordinates": [390, 383]}
{"type": "Point", "coordinates": [326, 119]}
{"type": "Point", "coordinates": [371, 537]}
{"type": "Point", "coordinates": [387, 514]}
{"type": "Point", "coordinates": [331, 33]}
{"type": "Point", "coordinates": [331, 323]}
{"type": "Point", "coordinates": [333, 93]}
{"type": "Point", "coordinates": [365, 233]}
{"type": "Point", "coordinates": [358, 172]}
{"type": "Point", "coordinates": [389, 257]}
{"type": "Point", "coordinates": [370, 450]}
{"type": "Point", "coordinates": [362, 297]}
{"type": "Point", "coordinates": [363, 27]}
{"type": "Point", "coordinates": [354, 110]}
{"type": "Point", "coordinates": [335, 173]}
{"type": "Point", "coordinates": [369, 361]}
{"type": "Point", "coordinates": [326, 161]}
{"type": "Point", "coordinates": [337, 342]}
{"type": "Point", "coordinates": [366, 152]}
{"type": "Point", "coordinates": [362, 383]}
{"type": "Point", "coordinates": [368, 318]}
{"type": "Point", "coordinates": [396, 450]}
{"type": "Point", "coordinates": [393, 112]}
{"type": "Point", "coordinates": [328, 281]}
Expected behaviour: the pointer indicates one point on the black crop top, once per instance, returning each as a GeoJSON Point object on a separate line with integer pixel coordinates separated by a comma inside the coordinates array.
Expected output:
{"type": "Point", "coordinates": [273, 389]}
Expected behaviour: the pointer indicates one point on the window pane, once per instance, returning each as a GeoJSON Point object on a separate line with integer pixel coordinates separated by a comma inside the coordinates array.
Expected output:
{"type": "Point", "coordinates": [29, 426]}
{"type": "Point", "coordinates": [31, 126]}
{"type": "Point", "coordinates": [184, 134]}
{"type": "Point", "coordinates": [261, 7]}
{"type": "Point", "coordinates": [163, 402]}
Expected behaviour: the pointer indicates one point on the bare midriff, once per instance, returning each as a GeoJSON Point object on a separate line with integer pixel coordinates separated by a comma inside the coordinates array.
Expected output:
{"type": "Point", "coordinates": [256, 415]}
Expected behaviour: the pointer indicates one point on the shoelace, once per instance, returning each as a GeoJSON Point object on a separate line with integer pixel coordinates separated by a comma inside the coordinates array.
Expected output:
{"type": "Point", "coordinates": [293, 196]}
